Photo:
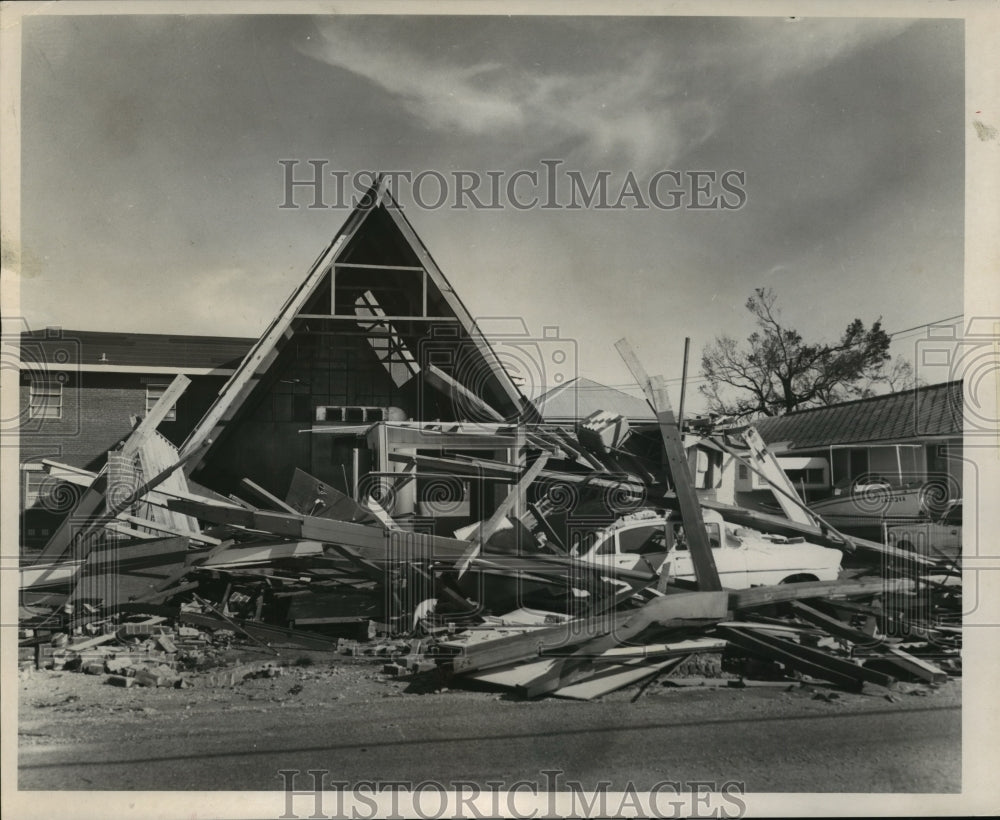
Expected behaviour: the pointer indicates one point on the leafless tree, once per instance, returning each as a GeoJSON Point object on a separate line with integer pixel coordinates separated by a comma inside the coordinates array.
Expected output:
{"type": "Point", "coordinates": [776, 371]}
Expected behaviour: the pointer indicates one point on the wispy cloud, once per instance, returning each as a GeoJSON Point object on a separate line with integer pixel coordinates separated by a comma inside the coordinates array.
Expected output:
{"type": "Point", "coordinates": [653, 100]}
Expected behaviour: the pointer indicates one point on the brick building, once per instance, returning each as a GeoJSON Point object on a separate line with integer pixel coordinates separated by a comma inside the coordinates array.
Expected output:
{"type": "Point", "coordinates": [79, 391]}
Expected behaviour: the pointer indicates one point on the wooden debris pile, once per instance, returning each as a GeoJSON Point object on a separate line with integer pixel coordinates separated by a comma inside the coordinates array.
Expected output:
{"type": "Point", "coordinates": [149, 584]}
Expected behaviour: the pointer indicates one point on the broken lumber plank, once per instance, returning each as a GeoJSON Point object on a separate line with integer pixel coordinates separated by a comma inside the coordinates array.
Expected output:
{"type": "Point", "coordinates": [514, 500]}
{"type": "Point", "coordinates": [251, 553]}
{"type": "Point", "coordinates": [271, 500]}
{"type": "Point", "coordinates": [615, 677]}
{"type": "Point", "coordinates": [516, 648]}
{"type": "Point", "coordinates": [114, 574]}
{"type": "Point", "coordinates": [459, 394]}
{"type": "Point", "coordinates": [380, 513]}
{"type": "Point", "coordinates": [153, 525]}
{"type": "Point", "coordinates": [43, 575]}
{"type": "Point", "coordinates": [368, 542]}
{"type": "Point", "coordinates": [307, 495]}
{"type": "Point", "coordinates": [89, 643]}
{"type": "Point", "coordinates": [835, 626]}
{"type": "Point", "coordinates": [655, 651]}
{"type": "Point", "coordinates": [655, 390]}
{"type": "Point", "coordinates": [805, 659]}
{"type": "Point", "coordinates": [699, 547]}
{"type": "Point", "coordinates": [759, 596]}
{"type": "Point", "coordinates": [195, 561]}
{"type": "Point", "coordinates": [131, 532]}
{"type": "Point", "coordinates": [160, 595]}
{"type": "Point", "coordinates": [91, 500]}
{"type": "Point", "coordinates": [918, 667]}
{"type": "Point", "coordinates": [682, 609]}
{"type": "Point", "coordinates": [768, 468]}
{"type": "Point", "coordinates": [557, 677]}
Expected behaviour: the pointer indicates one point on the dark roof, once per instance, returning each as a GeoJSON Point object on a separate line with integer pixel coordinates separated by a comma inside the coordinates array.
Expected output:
{"type": "Point", "coordinates": [92, 347]}
{"type": "Point", "coordinates": [934, 410]}
{"type": "Point", "coordinates": [580, 397]}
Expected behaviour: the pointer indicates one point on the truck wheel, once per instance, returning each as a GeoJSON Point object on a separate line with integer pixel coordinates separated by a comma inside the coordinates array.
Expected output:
{"type": "Point", "coordinates": [793, 579]}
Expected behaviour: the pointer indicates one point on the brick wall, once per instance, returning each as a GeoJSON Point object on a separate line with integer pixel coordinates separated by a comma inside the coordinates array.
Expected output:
{"type": "Point", "coordinates": [95, 415]}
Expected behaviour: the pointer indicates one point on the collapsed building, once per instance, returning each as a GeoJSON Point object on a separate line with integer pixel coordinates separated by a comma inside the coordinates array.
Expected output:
{"type": "Point", "coordinates": [370, 469]}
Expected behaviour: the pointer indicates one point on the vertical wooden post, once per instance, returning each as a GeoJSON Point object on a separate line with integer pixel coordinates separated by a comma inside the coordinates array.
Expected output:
{"type": "Point", "coordinates": [684, 383]}
{"type": "Point", "coordinates": [680, 471]}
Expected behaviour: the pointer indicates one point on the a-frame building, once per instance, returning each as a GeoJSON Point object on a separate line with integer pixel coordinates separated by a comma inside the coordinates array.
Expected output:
{"type": "Point", "coordinates": [374, 332]}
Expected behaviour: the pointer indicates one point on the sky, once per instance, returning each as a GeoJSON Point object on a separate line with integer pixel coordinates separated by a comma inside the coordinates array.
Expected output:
{"type": "Point", "coordinates": [151, 176]}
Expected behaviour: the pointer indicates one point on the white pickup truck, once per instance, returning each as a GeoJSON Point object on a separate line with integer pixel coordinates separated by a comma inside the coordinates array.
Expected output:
{"type": "Point", "coordinates": [648, 540]}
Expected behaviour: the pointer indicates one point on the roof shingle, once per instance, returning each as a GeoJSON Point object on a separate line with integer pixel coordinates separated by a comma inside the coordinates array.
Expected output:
{"type": "Point", "coordinates": [933, 410]}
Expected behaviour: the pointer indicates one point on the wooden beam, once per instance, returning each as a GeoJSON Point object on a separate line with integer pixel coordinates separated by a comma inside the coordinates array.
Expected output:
{"type": "Point", "coordinates": [355, 319]}
{"type": "Point", "coordinates": [152, 420]}
{"type": "Point", "coordinates": [369, 542]}
{"type": "Point", "coordinates": [153, 525]}
{"type": "Point", "coordinates": [805, 659]}
{"type": "Point", "coordinates": [759, 596]}
{"type": "Point", "coordinates": [919, 667]}
{"type": "Point", "coordinates": [794, 508]}
{"type": "Point", "coordinates": [441, 381]}
{"type": "Point", "coordinates": [702, 556]}
{"type": "Point", "coordinates": [414, 268]}
{"type": "Point", "coordinates": [131, 532]}
{"type": "Point", "coordinates": [655, 389]}
{"type": "Point", "coordinates": [75, 522]}
{"type": "Point", "coordinates": [263, 495]}
{"type": "Point", "coordinates": [767, 466]}
{"type": "Point", "coordinates": [623, 628]}
{"type": "Point", "coordinates": [835, 626]}
{"type": "Point", "coordinates": [515, 498]}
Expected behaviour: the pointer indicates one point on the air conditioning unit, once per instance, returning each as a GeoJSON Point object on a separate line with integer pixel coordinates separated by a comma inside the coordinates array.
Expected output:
{"type": "Point", "coordinates": [358, 414]}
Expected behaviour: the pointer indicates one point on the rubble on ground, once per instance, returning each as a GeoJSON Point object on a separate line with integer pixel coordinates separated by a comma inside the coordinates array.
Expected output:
{"type": "Point", "coordinates": [506, 602]}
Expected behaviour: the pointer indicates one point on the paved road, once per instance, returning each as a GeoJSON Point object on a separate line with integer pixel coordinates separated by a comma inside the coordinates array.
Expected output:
{"type": "Point", "coordinates": [904, 747]}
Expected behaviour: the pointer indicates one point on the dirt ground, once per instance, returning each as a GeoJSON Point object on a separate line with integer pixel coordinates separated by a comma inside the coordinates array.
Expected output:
{"type": "Point", "coordinates": [64, 707]}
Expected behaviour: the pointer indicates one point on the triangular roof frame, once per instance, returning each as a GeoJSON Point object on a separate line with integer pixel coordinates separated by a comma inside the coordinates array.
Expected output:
{"type": "Point", "coordinates": [265, 351]}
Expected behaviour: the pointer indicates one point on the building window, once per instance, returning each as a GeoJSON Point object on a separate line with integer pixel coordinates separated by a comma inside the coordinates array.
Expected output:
{"type": "Point", "coordinates": [744, 472]}
{"type": "Point", "coordinates": [45, 399]}
{"type": "Point", "coordinates": [811, 476]}
{"type": "Point", "coordinates": [153, 394]}
{"type": "Point", "coordinates": [34, 486]}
